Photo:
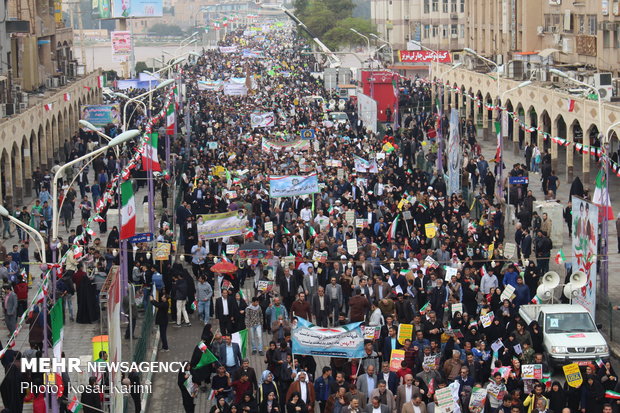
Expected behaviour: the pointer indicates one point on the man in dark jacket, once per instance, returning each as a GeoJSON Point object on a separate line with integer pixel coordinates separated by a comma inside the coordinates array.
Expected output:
{"type": "Point", "coordinates": [225, 310]}
{"type": "Point", "coordinates": [359, 306]}
{"type": "Point", "coordinates": [180, 296]}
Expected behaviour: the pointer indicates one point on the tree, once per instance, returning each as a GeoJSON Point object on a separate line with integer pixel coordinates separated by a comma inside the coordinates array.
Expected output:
{"type": "Point", "coordinates": [342, 34]}
{"type": "Point", "coordinates": [331, 21]}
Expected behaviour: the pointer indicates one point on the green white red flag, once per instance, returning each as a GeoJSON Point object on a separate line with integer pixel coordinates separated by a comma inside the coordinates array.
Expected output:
{"type": "Point", "coordinates": [57, 328]}
{"type": "Point", "coordinates": [171, 116]}
{"type": "Point", "coordinates": [150, 159]}
{"type": "Point", "coordinates": [128, 211]}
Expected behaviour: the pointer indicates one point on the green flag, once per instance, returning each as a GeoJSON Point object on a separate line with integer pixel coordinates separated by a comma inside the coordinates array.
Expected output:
{"type": "Point", "coordinates": [206, 359]}
{"type": "Point", "coordinates": [57, 327]}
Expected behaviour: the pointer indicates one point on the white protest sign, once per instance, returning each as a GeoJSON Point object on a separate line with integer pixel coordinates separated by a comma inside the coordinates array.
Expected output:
{"type": "Point", "coordinates": [269, 227]}
{"type": "Point", "coordinates": [510, 249]}
{"type": "Point", "coordinates": [352, 246]}
{"type": "Point", "coordinates": [507, 293]}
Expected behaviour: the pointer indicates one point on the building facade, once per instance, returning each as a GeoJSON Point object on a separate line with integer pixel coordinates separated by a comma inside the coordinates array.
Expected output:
{"type": "Point", "coordinates": [575, 34]}
{"type": "Point", "coordinates": [438, 24]}
{"type": "Point", "coordinates": [37, 137]}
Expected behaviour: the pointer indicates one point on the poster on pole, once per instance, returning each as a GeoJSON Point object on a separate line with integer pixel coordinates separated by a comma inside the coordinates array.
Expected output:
{"type": "Point", "coordinates": [584, 243]}
{"type": "Point", "coordinates": [121, 45]}
{"type": "Point", "coordinates": [454, 157]}
{"type": "Point", "coordinates": [344, 341]}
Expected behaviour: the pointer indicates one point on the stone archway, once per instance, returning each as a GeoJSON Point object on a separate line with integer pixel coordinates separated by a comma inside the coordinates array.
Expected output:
{"type": "Point", "coordinates": [6, 183]}
{"type": "Point", "coordinates": [26, 161]}
{"type": "Point", "coordinates": [17, 176]}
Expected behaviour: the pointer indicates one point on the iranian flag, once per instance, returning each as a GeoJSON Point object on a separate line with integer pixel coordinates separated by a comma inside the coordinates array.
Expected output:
{"type": "Point", "coordinates": [128, 211]}
{"type": "Point", "coordinates": [48, 107]}
{"type": "Point", "coordinates": [570, 105]}
{"type": "Point", "coordinates": [392, 229]}
{"type": "Point", "coordinates": [536, 300]}
{"type": "Point", "coordinates": [57, 328]}
{"type": "Point", "coordinates": [150, 160]}
{"type": "Point", "coordinates": [601, 196]}
{"type": "Point", "coordinates": [101, 81]}
{"type": "Point", "coordinates": [74, 405]}
{"type": "Point", "coordinates": [559, 257]}
{"type": "Point", "coordinates": [241, 338]}
{"type": "Point", "coordinates": [171, 116]}
{"type": "Point", "coordinates": [610, 394]}
{"type": "Point", "coordinates": [67, 97]}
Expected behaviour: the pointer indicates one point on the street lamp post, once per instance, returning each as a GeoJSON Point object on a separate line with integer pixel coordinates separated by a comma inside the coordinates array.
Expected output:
{"type": "Point", "coordinates": [500, 168]}
{"type": "Point", "coordinates": [123, 137]}
{"type": "Point", "coordinates": [440, 109]}
{"type": "Point", "coordinates": [387, 43]}
{"type": "Point", "coordinates": [367, 42]}
{"type": "Point", "coordinates": [605, 229]}
{"type": "Point", "coordinates": [42, 248]}
{"type": "Point", "coordinates": [137, 99]}
{"type": "Point", "coordinates": [519, 86]}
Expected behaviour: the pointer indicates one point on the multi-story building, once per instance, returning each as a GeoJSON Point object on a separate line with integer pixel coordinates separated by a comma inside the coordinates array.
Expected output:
{"type": "Point", "coordinates": [438, 24]}
{"type": "Point", "coordinates": [582, 34]}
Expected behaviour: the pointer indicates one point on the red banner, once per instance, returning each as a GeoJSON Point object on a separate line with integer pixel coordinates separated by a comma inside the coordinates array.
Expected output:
{"type": "Point", "coordinates": [423, 56]}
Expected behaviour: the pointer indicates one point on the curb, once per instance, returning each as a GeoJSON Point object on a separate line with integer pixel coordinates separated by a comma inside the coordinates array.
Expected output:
{"type": "Point", "coordinates": [145, 396]}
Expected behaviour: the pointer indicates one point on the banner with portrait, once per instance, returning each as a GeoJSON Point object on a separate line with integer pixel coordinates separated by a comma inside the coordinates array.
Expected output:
{"type": "Point", "coordinates": [584, 247]}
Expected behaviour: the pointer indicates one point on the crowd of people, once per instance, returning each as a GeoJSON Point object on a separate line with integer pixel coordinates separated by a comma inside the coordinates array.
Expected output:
{"type": "Point", "coordinates": [382, 243]}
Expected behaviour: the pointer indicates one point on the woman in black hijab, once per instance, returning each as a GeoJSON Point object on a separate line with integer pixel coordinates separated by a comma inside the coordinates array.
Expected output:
{"type": "Point", "coordinates": [557, 397]}
{"type": "Point", "coordinates": [594, 394]}
{"type": "Point", "coordinates": [113, 238]}
{"type": "Point", "coordinates": [537, 337]}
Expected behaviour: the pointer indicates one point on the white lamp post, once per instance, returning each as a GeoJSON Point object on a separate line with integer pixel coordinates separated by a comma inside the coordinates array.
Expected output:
{"type": "Point", "coordinates": [123, 137]}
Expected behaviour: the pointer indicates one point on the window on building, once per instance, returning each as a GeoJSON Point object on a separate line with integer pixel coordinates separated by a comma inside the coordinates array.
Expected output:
{"type": "Point", "coordinates": [454, 30]}
{"type": "Point", "coordinates": [461, 31]}
{"type": "Point", "coordinates": [606, 38]}
{"type": "Point", "coordinates": [462, 6]}
{"type": "Point", "coordinates": [581, 24]}
{"type": "Point", "coordinates": [435, 5]}
{"type": "Point", "coordinates": [453, 6]}
{"type": "Point", "coordinates": [445, 31]}
{"type": "Point", "coordinates": [444, 6]}
{"type": "Point", "coordinates": [427, 6]}
{"type": "Point", "coordinates": [592, 24]}
{"type": "Point", "coordinates": [435, 30]}
{"type": "Point", "coordinates": [557, 18]}
{"type": "Point", "coordinates": [548, 22]}
{"type": "Point", "coordinates": [427, 31]}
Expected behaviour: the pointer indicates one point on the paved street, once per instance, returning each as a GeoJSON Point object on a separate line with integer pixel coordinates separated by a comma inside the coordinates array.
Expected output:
{"type": "Point", "coordinates": [166, 397]}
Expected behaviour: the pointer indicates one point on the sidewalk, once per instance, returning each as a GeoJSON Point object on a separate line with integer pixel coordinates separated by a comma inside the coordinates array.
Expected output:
{"type": "Point", "coordinates": [77, 337]}
{"type": "Point", "coordinates": [603, 314]}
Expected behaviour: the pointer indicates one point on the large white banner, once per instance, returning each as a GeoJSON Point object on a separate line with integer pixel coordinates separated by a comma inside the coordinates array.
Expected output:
{"type": "Point", "coordinates": [292, 185]}
{"type": "Point", "coordinates": [262, 120]}
{"type": "Point", "coordinates": [346, 341]}
{"type": "Point", "coordinates": [584, 246]}
{"type": "Point", "coordinates": [228, 224]}
{"type": "Point", "coordinates": [235, 89]}
{"type": "Point", "coordinates": [367, 111]}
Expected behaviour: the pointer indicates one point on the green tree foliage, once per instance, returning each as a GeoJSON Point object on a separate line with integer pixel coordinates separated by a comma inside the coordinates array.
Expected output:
{"type": "Point", "coordinates": [332, 20]}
